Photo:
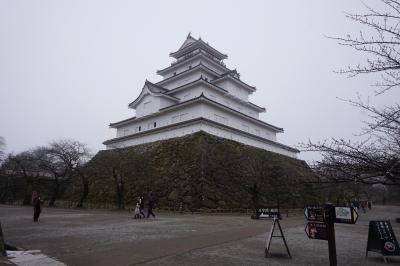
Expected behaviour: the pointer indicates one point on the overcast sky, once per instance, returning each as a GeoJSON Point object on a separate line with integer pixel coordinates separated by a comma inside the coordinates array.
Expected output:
{"type": "Point", "coordinates": [69, 68]}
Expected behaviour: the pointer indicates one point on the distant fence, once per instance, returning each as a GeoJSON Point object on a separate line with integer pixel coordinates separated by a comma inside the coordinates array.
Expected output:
{"type": "Point", "coordinates": [66, 204]}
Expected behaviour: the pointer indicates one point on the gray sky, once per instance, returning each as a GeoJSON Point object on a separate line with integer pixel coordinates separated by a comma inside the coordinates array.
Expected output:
{"type": "Point", "coordinates": [69, 68]}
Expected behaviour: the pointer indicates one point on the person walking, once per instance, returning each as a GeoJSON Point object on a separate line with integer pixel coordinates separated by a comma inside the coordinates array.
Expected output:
{"type": "Point", "coordinates": [151, 205]}
{"type": "Point", "coordinates": [37, 208]}
{"type": "Point", "coordinates": [141, 207]}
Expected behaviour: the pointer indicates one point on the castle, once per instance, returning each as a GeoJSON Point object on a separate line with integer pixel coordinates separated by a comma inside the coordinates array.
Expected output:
{"type": "Point", "coordinates": [198, 93]}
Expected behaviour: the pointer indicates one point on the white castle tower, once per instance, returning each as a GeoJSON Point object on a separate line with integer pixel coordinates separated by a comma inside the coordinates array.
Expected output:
{"type": "Point", "coordinates": [197, 93]}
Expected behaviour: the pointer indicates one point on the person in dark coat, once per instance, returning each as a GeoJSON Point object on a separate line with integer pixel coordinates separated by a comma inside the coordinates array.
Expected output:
{"type": "Point", "coordinates": [151, 205]}
{"type": "Point", "coordinates": [141, 207]}
{"type": "Point", "coordinates": [37, 205]}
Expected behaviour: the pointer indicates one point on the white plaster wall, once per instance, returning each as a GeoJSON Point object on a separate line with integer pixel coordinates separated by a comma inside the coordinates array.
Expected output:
{"type": "Point", "coordinates": [148, 105]}
{"type": "Point", "coordinates": [165, 102]}
{"type": "Point", "coordinates": [163, 119]}
{"type": "Point", "coordinates": [229, 119]}
{"type": "Point", "coordinates": [224, 133]}
{"type": "Point", "coordinates": [215, 95]}
{"type": "Point", "coordinates": [186, 78]}
{"type": "Point", "coordinates": [170, 133]}
{"type": "Point", "coordinates": [209, 128]}
{"type": "Point", "coordinates": [194, 111]}
{"type": "Point", "coordinates": [234, 89]}
{"type": "Point", "coordinates": [195, 60]}
{"type": "Point", "coordinates": [211, 66]}
{"type": "Point", "coordinates": [182, 68]}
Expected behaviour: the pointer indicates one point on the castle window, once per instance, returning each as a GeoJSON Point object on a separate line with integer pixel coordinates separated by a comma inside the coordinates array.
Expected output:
{"type": "Point", "coordinates": [140, 128]}
{"type": "Point", "coordinates": [155, 124]}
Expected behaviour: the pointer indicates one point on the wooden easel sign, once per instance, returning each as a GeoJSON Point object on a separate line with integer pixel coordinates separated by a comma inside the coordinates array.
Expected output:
{"type": "Point", "coordinates": [271, 235]}
{"type": "Point", "coordinates": [381, 239]}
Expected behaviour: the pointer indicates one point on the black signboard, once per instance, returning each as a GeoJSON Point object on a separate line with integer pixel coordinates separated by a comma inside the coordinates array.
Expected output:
{"type": "Point", "coordinates": [315, 214]}
{"type": "Point", "coordinates": [267, 212]}
{"type": "Point", "coordinates": [381, 239]}
{"type": "Point", "coordinates": [316, 231]}
{"type": "Point", "coordinates": [2, 245]}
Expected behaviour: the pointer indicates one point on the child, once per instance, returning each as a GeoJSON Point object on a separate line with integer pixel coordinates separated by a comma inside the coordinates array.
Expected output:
{"type": "Point", "coordinates": [137, 212]}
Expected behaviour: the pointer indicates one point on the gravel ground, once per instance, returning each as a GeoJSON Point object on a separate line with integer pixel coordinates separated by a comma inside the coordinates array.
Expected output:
{"type": "Point", "coordinates": [89, 237]}
{"type": "Point", "coordinates": [351, 241]}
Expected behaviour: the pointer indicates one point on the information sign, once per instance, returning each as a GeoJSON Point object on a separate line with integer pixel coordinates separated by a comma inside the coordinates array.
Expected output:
{"type": "Point", "coordinates": [382, 239]}
{"type": "Point", "coordinates": [268, 212]}
{"type": "Point", "coordinates": [346, 215]}
{"type": "Point", "coordinates": [316, 231]}
{"type": "Point", "coordinates": [315, 214]}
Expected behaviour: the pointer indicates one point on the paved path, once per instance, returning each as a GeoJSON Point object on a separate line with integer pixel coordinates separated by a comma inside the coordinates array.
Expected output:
{"type": "Point", "coordinates": [89, 237]}
{"type": "Point", "coordinates": [154, 249]}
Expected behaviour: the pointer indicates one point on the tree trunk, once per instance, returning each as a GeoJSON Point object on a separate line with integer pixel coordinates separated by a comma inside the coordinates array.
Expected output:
{"type": "Point", "coordinates": [56, 190]}
{"type": "Point", "coordinates": [28, 192]}
{"type": "Point", "coordinates": [85, 191]}
{"type": "Point", "coordinates": [3, 197]}
{"type": "Point", "coordinates": [119, 189]}
{"type": "Point", "coordinates": [84, 195]}
{"type": "Point", "coordinates": [120, 194]}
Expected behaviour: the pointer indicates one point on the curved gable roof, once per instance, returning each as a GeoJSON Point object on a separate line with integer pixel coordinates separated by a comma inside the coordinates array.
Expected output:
{"type": "Point", "coordinates": [154, 90]}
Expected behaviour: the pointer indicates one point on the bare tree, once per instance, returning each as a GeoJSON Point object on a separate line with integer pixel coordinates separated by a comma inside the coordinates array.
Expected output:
{"type": "Point", "coordinates": [23, 164]}
{"type": "Point", "coordinates": [113, 165]}
{"type": "Point", "coordinates": [2, 149]}
{"type": "Point", "coordinates": [381, 44]}
{"type": "Point", "coordinates": [63, 158]}
{"type": "Point", "coordinates": [375, 158]}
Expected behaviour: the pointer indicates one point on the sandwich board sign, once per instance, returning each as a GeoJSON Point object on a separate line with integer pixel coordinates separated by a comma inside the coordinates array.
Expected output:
{"type": "Point", "coordinates": [316, 231]}
{"type": "Point", "coordinates": [382, 239]}
{"type": "Point", "coordinates": [346, 215]}
{"type": "Point", "coordinates": [271, 235]}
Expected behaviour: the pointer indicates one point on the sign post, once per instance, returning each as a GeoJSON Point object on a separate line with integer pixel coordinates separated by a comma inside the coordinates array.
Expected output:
{"type": "Point", "coordinates": [330, 229]}
{"type": "Point", "coordinates": [322, 221]}
{"type": "Point", "coordinates": [2, 246]}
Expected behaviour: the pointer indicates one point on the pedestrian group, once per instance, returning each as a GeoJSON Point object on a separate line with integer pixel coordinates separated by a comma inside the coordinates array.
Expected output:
{"type": "Point", "coordinates": [139, 208]}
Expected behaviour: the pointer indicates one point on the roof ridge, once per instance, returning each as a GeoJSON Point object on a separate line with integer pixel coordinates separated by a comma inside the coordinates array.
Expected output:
{"type": "Point", "coordinates": [189, 58]}
{"type": "Point", "coordinates": [157, 86]}
{"type": "Point", "coordinates": [199, 41]}
{"type": "Point", "coordinates": [190, 69]}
